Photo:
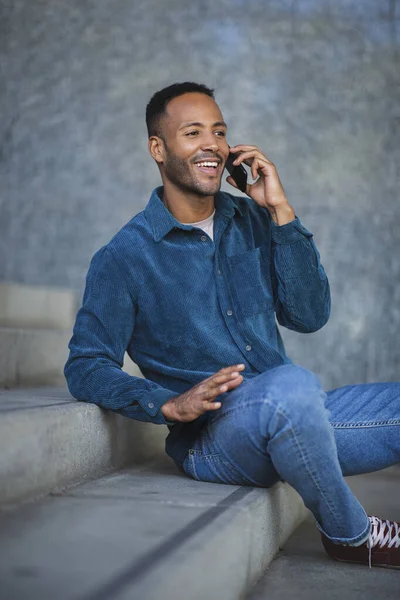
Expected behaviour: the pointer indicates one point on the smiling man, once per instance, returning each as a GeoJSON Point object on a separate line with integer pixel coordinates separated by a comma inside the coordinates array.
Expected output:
{"type": "Point", "coordinates": [191, 288]}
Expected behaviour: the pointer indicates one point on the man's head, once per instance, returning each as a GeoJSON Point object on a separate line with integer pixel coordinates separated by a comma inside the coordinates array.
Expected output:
{"type": "Point", "coordinates": [186, 128]}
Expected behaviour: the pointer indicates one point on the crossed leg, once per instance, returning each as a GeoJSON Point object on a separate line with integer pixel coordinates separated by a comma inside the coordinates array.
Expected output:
{"type": "Point", "coordinates": [281, 425]}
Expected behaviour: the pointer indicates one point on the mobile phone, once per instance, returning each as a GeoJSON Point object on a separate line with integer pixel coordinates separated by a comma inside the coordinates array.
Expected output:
{"type": "Point", "coordinates": [238, 172]}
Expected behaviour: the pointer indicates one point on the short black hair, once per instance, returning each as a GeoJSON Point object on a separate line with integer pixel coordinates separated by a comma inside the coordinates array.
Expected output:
{"type": "Point", "coordinates": [156, 108]}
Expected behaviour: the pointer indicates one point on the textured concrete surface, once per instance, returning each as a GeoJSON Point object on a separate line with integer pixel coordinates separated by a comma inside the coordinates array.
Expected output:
{"type": "Point", "coordinates": [36, 357]}
{"type": "Point", "coordinates": [49, 441]}
{"type": "Point", "coordinates": [144, 533]}
{"type": "Point", "coordinates": [302, 570]}
{"type": "Point", "coordinates": [311, 82]}
{"type": "Point", "coordinates": [34, 306]}
{"type": "Point", "coordinates": [33, 357]}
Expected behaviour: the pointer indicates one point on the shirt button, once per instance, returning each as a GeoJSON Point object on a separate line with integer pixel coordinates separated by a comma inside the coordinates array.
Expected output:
{"type": "Point", "coordinates": [229, 313]}
{"type": "Point", "coordinates": [203, 238]}
{"type": "Point", "coordinates": [248, 348]}
{"type": "Point", "coordinates": [151, 405]}
{"type": "Point", "coordinates": [219, 272]}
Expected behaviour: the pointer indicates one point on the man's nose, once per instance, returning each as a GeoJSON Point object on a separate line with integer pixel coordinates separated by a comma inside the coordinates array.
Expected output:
{"type": "Point", "coordinates": [209, 142]}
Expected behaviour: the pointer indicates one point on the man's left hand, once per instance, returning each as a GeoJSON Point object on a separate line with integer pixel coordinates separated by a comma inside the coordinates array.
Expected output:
{"type": "Point", "coordinates": [267, 191]}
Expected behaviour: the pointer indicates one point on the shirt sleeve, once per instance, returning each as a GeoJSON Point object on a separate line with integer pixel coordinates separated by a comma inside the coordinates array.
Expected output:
{"type": "Point", "coordinates": [103, 329]}
{"type": "Point", "coordinates": [301, 288]}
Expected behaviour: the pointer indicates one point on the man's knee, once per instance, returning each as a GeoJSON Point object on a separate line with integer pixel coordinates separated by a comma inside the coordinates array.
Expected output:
{"type": "Point", "coordinates": [289, 389]}
{"type": "Point", "coordinates": [288, 381]}
{"type": "Point", "coordinates": [293, 379]}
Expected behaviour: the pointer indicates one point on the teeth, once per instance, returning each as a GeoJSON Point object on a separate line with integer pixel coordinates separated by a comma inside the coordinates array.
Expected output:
{"type": "Point", "coordinates": [207, 164]}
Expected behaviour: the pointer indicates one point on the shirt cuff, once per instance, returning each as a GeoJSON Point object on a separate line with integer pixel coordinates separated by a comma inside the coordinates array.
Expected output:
{"type": "Point", "coordinates": [155, 400]}
{"type": "Point", "coordinates": [291, 232]}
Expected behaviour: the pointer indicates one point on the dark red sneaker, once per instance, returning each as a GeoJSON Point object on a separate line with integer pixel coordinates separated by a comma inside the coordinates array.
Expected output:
{"type": "Point", "coordinates": [382, 549]}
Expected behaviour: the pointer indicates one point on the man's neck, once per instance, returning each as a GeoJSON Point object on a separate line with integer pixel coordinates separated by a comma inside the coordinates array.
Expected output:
{"type": "Point", "coordinates": [187, 207]}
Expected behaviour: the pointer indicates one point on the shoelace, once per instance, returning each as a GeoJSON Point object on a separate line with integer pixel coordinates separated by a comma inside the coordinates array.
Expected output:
{"type": "Point", "coordinates": [378, 536]}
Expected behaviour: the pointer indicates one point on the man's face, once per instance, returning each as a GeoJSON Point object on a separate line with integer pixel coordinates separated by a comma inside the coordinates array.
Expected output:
{"type": "Point", "coordinates": [194, 132]}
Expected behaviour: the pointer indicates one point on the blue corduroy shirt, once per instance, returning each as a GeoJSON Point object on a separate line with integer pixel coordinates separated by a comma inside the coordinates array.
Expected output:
{"type": "Point", "coordinates": [183, 306]}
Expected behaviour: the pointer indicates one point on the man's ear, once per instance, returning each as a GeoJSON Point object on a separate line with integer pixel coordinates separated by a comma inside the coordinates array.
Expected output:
{"type": "Point", "coordinates": [156, 148]}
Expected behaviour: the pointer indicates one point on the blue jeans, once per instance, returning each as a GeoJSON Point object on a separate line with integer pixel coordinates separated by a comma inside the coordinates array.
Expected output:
{"type": "Point", "coordinates": [280, 425]}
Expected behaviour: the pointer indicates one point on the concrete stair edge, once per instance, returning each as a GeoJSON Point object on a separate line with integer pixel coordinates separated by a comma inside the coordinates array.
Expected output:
{"type": "Point", "coordinates": [227, 557]}
{"type": "Point", "coordinates": [47, 449]}
{"type": "Point", "coordinates": [170, 537]}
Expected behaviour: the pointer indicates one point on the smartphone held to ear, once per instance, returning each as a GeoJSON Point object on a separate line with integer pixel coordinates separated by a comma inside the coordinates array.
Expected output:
{"type": "Point", "coordinates": [237, 172]}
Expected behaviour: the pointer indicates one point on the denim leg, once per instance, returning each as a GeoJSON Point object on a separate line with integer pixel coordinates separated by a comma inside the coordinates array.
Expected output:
{"type": "Point", "coordinates": [275, 426]}
{"type": "Point", "coordinates": [366, 423]}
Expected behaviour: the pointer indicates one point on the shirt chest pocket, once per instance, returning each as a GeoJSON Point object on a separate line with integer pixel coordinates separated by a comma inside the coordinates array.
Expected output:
{"type": "Point", "coordinates": [251, 280]}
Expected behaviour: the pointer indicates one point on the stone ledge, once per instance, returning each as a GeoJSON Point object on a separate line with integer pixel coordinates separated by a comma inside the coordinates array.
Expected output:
{"type": "Point", "coordinates": [50, 441]}
{"type": "Point", "coordinates": [148, 533]}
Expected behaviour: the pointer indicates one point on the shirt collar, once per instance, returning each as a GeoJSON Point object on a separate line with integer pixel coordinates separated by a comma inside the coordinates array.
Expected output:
{"type": "Point", "coordinates": [162, 221]}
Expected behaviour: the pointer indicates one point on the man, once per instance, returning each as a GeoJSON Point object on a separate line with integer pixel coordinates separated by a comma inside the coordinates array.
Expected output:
{"type": "Point", "coordinates": [190, 288]}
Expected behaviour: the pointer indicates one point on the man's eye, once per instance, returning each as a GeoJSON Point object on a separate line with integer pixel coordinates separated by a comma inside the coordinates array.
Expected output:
{"type": "Point", "coordinates": [221, 133]}
{"type": "Point", "coordinates": [192, 132]}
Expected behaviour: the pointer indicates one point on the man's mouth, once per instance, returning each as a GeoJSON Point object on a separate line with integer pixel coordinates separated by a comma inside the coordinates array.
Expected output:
{"type": "Point", "coordinates": [208, 166]}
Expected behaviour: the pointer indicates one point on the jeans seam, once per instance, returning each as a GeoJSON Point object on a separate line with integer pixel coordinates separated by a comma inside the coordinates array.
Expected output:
{"type": "Point", "coordinates": [366, 425]}
{"type": "Point", "coordinates": [203, 454]}
{"type": "Point", "coordinates": [219, 457]}
{"type": "Point", "coordinates": [235, 471]}
{"type": "Point", "coordinates": [216, 457]}
{"type": "Point", "coordinates": [230, 467]}
{"type": "Point", "coordinates": [303, 455]}
{"type": "Point", "coordinates": [191, 460]}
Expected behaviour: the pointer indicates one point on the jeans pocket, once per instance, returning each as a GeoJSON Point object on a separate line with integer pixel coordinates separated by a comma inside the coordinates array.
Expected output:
{"type": "Point", "coordinates": [212, 468]}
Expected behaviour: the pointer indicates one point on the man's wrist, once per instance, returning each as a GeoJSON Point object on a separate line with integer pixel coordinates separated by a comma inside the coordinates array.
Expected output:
{"type": "Point", "coordinates": [281, 215]}
{"type": "Point", "coordinates": [168, 411]}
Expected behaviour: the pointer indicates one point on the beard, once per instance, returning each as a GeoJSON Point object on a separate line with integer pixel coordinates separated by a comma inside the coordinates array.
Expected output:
{"type": "Point", "coordinates": [179, 172]}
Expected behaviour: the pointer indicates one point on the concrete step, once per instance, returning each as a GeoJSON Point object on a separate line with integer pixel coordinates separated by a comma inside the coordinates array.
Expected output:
{"type": "Point", "coordinates": [36, 306]}
{"type": "Point", "coordinates": [33, 357]}
{"type": "Point", "coordinates": [303, 570]}
{"type": "Point", "coordinates": [144, 533]}
{"type": "Point", "coordinates": [36, 326]}
{"type": "Point", "coordinates": [49, 441]}
{"type": "Point", "coordinates": [36, 357]}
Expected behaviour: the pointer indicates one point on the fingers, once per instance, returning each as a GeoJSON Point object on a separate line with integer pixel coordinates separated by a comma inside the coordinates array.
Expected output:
{"type": "Point", "coordinates": [225, 379]}
{"type": "Point", "coordinates": [258, 163]}
{"type": "Point", "coordinates": [212, 406]}
{"type": "Point", "coordinates": [202, 395]}
{"type": "Point", "coordinates": [238, 367]}
{"type": "Point", "coordinates": [232, 182]}
{"type": "Point", "coordinates": [249, 150]}
{"type": "Point", "coordinates": [214, 389]}
{"type": "Point", "coordinates": [226, 373]}
{"type": "Point", "coordinates": [248, 157]}
{"type": "Point", "coordinates": [220, 379]}
{"type": "Point", "coordinates": [253, 157]}
{"type": "Point", "coordinates": [230, 385]}
{"type": "Point", "coordinates": [191, 404]}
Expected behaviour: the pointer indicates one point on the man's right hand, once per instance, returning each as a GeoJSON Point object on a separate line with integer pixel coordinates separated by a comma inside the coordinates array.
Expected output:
{"type": "Point", "coordinates": [199, 399]}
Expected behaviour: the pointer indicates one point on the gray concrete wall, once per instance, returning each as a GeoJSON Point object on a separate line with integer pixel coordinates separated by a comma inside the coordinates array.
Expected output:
{"type": "Point", "coordinates": [314, 83]}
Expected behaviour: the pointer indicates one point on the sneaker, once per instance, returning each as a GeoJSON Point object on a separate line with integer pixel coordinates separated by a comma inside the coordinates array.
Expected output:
{"type": "Point", "coordinates": [382, 549]}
